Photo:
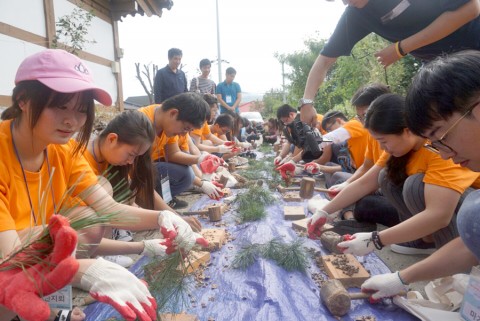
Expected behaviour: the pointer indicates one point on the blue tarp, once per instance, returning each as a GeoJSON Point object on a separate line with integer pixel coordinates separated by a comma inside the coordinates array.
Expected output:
{"type": "Point", "coordinates": [265, 291]}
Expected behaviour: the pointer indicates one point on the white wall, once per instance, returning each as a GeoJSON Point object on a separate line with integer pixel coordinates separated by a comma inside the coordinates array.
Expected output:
{"type": "Point", "coordinates": [32, 20]}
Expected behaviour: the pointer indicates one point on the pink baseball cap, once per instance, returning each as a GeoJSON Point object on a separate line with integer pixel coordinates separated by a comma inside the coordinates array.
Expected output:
{"type": "Point", "coordinates": [60, 71]}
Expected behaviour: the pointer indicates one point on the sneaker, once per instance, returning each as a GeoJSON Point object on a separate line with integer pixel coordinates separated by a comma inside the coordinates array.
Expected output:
{"type": "Point", "coordinates": [121, 260]}
{"type": "Point", "coordinates": [176, 204]}
{"type": "Point", "coordinates": [352, 226]}
{"type": "Point", "coordinates": [417, 247]}
{"type": "Point", "coordinates": [122, 235]}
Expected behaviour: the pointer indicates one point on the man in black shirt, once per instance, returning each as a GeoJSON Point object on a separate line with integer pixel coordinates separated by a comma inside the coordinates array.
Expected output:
{"type": "Point", "coordinates": [170, 80]}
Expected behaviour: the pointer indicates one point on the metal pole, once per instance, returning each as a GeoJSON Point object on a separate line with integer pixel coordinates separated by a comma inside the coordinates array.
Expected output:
{"type": "Point", "coordinates": [218, 48]}
{"type": "Point", "coordinates": [283, 83]}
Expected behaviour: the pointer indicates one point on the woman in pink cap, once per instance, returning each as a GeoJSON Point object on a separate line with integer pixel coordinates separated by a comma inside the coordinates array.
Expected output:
{"type": "Point", "coordinates": [53, 100]}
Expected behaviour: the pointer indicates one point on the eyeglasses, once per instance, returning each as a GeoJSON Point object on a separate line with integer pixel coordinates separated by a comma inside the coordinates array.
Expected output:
{"type": "Point", "coordinates": [439, 145]}
{"type": "Point", "coordinates": [361, 118]}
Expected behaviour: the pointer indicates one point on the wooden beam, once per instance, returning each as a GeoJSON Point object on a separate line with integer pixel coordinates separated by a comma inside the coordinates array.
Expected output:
{"type": "Point", "coordinates": [145, 7]}
{"type": "Point", "coordinates": [21, 34]}
{"type": "Point", "coordinates": [49, 21]}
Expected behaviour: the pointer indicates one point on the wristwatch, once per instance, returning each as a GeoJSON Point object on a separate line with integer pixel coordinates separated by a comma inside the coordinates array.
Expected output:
{"type": "Point", "coordinates": [305, 101]}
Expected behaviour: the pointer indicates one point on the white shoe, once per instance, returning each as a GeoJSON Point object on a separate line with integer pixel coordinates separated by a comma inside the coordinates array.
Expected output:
{"type": "Point", "coordinates": [121, 260]}
{"type": "Point", "coordinates": [122, 235]}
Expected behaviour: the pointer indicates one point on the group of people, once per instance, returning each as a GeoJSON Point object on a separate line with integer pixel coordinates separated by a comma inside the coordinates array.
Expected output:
{"type": "Point", "coordinates": [56, 176]}
{"type": "Point", "coordinates": [409, 163]}
{"type": "Point", "coordinates": [404, 162]}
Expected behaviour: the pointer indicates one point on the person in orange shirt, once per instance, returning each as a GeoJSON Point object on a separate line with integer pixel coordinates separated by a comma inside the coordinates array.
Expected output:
{"type": "Point", "coordinates": [122, 152]}
{"type": "Point", "coordinates": [53, 99]}
{"type": "Point", "coordinates": [203, 137]}
{"type": "Point", "coordinates": [425, 189]}
{"type": "Point", "coordinates": [443, 105]}
{"type": "Point", "coordinates": [177, 115]}
{"type": "Point", "coordinates": [222, 125]}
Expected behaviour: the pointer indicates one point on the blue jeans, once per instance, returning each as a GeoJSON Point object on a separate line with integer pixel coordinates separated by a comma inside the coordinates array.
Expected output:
{"type": "Point", "coordinates": [181, 177]}
{"type": "Point", "coordinates": [468, 222]}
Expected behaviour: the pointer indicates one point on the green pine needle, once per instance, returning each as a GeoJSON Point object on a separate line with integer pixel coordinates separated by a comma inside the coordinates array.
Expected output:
{"type": "Point", "coordinates": [291, 257]}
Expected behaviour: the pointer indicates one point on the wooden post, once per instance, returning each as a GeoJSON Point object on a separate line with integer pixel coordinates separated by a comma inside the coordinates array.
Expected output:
{"type": "Point", "coordinates": [215, 213]}
{"type": "Point", "coordinates": [231, 167]}
{"type": "Point", "coordinates": [307, 186]}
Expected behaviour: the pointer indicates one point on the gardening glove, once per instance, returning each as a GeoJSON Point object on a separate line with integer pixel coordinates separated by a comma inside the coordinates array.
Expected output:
{"type": "Point", "coordinates": [223, 149]}
{"type": "Point", "coordinates": [24, 280]}
{"type": "Point", "coordinates": [289, 169]}
{"type": "Point", "coordinates": [178, 233]}
{"type": "Point", "coordinates": [154, 248]}
{"type": "Point", "coordinates": [209, 163]}
{"type": "Point", "coordinates": [312, 168]}
{"type": "Point", "coordinates": [112, 284]}
{"type": "Point", "coordinates": [217, 184]}
{"type": "Point", "coordinates": [277, 160]}
{"type": "Point", "coordinates": [286, 160]}
{"type": "Point", "coordinates": [245, 145]}
{"type": "Point", "coordinates": [315, 223]}
{"type": "Point", "coordinates": [357, 244]}
{"type": "Point", "coordinates": [384, 285]}
{"type": "Point", "coordinates": [211, 190]}
{"type": "Point", "coordinates": [335, 189]}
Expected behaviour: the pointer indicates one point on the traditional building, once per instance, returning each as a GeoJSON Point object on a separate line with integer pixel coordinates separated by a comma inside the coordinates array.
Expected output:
{"type": "Point", "coordinates": [29, 26]}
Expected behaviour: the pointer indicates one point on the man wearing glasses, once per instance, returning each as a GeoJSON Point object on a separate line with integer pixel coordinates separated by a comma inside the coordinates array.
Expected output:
{"type": "Point", "coordinates": [442, 106]}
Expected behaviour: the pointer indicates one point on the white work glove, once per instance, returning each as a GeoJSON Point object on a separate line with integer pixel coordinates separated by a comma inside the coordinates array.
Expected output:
{"type": "Point", "coordinates": [112, 284]}
{"type": "Point", "coordinates": [277, 160]}
{"type": "Point", "coordinates": [316, 223]}
{"type": "Point", "coordinates": [245, 145]}
{"type": "Point", "coordinates": [312, 168]}
{"type": "Point", "coordinates": [154, 248]}
{"type": "Point", "coordinates": [286, 160]}
{"type": "Point", "coordinates": [202, 157]}
{"type": "Point", "coordinates": [178, 233]}
{"type": "Point", "coordinates": [211, 190]}
{"type": "Point", "coordinates": [384, 285]}
{"type": "Point", "coordinates": [222, 149]}
{"type": "Point", "coordinates": [338, 187]}
{"type": "Point", "coordinates": [357, 244]}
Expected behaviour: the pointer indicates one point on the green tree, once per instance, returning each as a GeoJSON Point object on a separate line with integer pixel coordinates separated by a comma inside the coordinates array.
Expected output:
{"type": "Point", "coordinates": [72, 30]}
{"type": "Point", "coordinates": [348, 73]}
{"type": "Point", "coordinates": [272, 100]}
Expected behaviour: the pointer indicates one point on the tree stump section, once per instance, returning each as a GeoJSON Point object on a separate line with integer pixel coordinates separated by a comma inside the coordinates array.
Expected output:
{"type": "Point", "coordinates": [231, 167]}
{"type": "Point", "coordinates": [293, 212]}
{"type": "Point", "coordinates": [216, 238]}
{"type": "Point", "coordinates": [215, 213]}
{"type": "Point", "coordinates": [307, 186]}
{"type": "Point", "coordinates": [223, 180]}
{"type": "Point", "coordinates": [330, 240]}
{"type": "Point", "coordinates": [178, 317]}
{"type": "Point", "coordinates": [291, 197]}
{"type": "Point", "coordinates": [346, 269]}
{"type": "Point", "coordinates": [195, 259]}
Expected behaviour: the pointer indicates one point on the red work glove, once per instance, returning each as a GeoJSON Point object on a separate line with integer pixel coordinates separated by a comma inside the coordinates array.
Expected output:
{"type": "Point", "coordinates": [209, 163]}
{"type": "Point", "coordinates": [212, 190]}
{"type": "Point", "coordinates": [288, 170]}
{"type": "Point", "coordinates": [312, 168]}
{"type": "Point", "coordinates": [178, 233]}
{"type": "Point", "coordinates": [22, 290]}
{"type": "Point", "coordinates": [112, 284]}
{"type": "Point", "coordinates": [217, 184]}
{"type": "Point", "coordinates": [315, 223]}
{"type": "Point", "coordinates": [229, 143]}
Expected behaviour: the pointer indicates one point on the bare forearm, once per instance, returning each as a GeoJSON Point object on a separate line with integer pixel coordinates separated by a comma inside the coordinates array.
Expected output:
{"type": "Point", "coordinates": [443, 26]}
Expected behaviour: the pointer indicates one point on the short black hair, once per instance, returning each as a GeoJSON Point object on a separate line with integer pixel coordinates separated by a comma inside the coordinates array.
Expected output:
{"type": "Point", "coordinates": [192, 108]}
{"type": "Point", "coordinates": [366, 94]}
{"type": "Point", "coordinates": [446, 85]}
{"type": "Point", "coordinates": [285, 110]}
{"type": "Point", "coordinates": [332, 115]}
{"type": "Point", "coordinates": [205, 62]}
{"type": "Point", "coordinates": [172, 52]}
{"type": "Point", "coordinates": [230, 71]}
{"type": "Point", "coordinates": [224, 120]}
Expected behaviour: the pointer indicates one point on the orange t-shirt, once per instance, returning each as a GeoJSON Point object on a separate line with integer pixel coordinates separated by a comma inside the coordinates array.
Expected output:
{"type": "Point", "coordinates": [202, 132]}
{"type": "Point", "coordinates": [373, 151]}
{"type": "Point", "coordinates": [158, 146]}
{"type": "Point", "coordinates": [357, 143]}
{"type": "Point", "coordinates": [97, 168]}
{"type": "Point", "coordinates": [183, 142]}
{"type": "Point", "coordinates": [437, 171]}
{"type": "Point", "coordinates": [15, 211]}
{"type": "Point", "coordinates": [319, 124]}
